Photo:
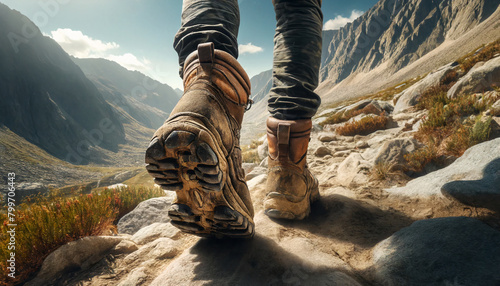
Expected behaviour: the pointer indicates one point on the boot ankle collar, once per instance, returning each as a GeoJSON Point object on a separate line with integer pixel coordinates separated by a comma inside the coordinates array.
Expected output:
{"type": "Point", "coordinates": [219, 67]}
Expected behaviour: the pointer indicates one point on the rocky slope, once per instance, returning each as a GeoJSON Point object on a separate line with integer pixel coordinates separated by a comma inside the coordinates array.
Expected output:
{"type": "Point", "coordinates": [146, 100]}
{"type": "Point", "coordinates": [397, 40]}
{"type": "Point", "coordinates": [46, 98]}
{"type": "Point", "coordinates": [398, 32]}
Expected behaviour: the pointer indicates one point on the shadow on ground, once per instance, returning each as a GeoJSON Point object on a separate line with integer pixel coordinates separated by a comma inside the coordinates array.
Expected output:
{"type": "Point", "coordinates": [343, 218]}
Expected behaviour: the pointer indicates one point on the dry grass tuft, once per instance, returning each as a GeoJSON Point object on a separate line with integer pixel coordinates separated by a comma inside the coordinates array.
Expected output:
{"type": "Point", "coordinates": [483, 53]}
{"type": "Point", "coordinates": [363, 126]}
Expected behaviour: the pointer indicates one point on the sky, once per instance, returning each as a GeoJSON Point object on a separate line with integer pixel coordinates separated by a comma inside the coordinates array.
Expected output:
{"type": "Point", "coordinates": [138, 34]}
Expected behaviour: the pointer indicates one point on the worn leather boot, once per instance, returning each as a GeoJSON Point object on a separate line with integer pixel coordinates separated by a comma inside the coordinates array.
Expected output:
{"type": "Point", "coordinates": [290, 185]}
{"type": "Point", "coordinates": [196, 153]}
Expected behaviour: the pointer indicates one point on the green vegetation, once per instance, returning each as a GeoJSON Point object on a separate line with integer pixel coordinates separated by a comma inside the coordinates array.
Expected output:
{"type": "Point", "coordinates": [47, 222]}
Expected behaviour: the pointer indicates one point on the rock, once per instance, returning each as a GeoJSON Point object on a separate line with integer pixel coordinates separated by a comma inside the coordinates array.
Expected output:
{"type": "Point", "coordinates": [322, 151]}
{"type": "Point", "coordinates": [348, 139]}
{"type": "Point", "coordinates": [340, 148]}
{"type": "Point", "coordinates": [248, 167]}
{"type": "Point", "coordinates": [417, 125]}
{"type": "Point", "coordinates": [257, 171]}
{"type": "Point", "coordinates": [385, 105]}
{"type": "Point", "coordinates": [146, 213]}
{"type": "Point", "coordinates": [342, 153]}
{"type": "Point", "coordinates": [117, 186]}
{"type": "Point", "coordinates": [362, 145]}
{"type": "Point", "coordinates": [161, 248]}
{"type": "Point", "coordinates": [136, 277]}
{"type": "Point", "coordinates": [357, 106]}
{"type": "Point", "coordinates": [327, 137]}
{"type": "Point", "coordinates": [392, 152]}
{"type": "Point", "coordinates": [471, 166]}
{"type": "Point", "coordinates": [258, 180]}
{"type": "Point", "coordinates": [124, 247]}
{"type": "Point", "coordinates": [154, 231]}
{"type": "Point", "coordinates": [353, 170]}
{"type": "Point", "coordinates": [76, 255]}
{"type": "Point", "coordinates": [478, 193]}
{"type": "Point", "coordinates": [263, 150]}
{"type": "Point", "coordinates": [495, 109]}
{"type": "Point", "coordinates": [442, 251]}
{"type": "Point", "coordinates": [264, 163]}
{"type": "Point", "coordinates": [409, 97]}
{"type": "Point", "coordinates": [316, 127]}
{"type": "Point", "coordinates": [478, 79]}
{"type": "Point", "coordinates": [259, 261]}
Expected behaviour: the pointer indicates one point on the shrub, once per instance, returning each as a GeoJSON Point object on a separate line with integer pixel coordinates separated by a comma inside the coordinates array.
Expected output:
{"type": "Point", "coordinates": [432, 96]}
{"type": "Point", "coordinates": [46, 223]}
{"type": "Point", "coordinates": [421, 157]}
{"type": "Point", "coordinates": [364, 126]}
{"type": "Point", "coordinates": [483, 53]}
{"type": "Point", "coordinates": [468, 135]}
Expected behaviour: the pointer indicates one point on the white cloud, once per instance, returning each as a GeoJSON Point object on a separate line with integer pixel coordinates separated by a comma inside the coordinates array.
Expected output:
{"type": "Point", "coordinates": [130, 61]}
{"type": "Point", "coordinates": [249, 49]}
{"type": "Point", "coordinates": [79, 45]}
{"type": "Point", "coordinates": [339, 21]}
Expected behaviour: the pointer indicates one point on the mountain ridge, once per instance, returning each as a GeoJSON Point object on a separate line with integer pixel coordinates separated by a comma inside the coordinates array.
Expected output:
{"type": "Point", "coordinates": [46, 98]}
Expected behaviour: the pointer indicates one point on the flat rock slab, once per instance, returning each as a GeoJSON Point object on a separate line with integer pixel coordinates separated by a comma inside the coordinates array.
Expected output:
{"type": "Point", "coordinates": [443, 251]}
{"type": "Point", "coordinates": [475, 164]}
{"type": "Point", "coordinates": [259, 261]}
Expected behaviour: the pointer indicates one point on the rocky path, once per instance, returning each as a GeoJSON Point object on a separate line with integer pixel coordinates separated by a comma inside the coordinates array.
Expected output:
{"type": "Point", "coordinates": [359, 233]}
{"type": "Point", "coordinates": [372, 226]}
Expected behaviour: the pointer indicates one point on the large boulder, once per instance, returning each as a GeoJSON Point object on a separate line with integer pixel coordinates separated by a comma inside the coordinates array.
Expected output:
{"type": "Point", "coordinates": [409, 97]}
{"type": "Point", "coordinates": [478, 79]}
{"type": "Point", "coordinates": [146, 213]}
{"type": "Point", "coordinates": [442, 251]}
{"type": "Point", "coordinates": [478, 193]}
{"type": "Point", "coordinates": [471, 166]}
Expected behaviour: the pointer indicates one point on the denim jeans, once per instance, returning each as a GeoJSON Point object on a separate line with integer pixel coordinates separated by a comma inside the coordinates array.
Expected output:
{"type": "Point", "coordinates": [297, 48]}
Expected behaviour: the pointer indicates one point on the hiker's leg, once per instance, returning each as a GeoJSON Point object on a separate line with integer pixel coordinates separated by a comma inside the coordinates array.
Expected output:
{"type": "Point", "coordinates": [196, 152]}
{"type": "Point", "coordinates": [297, 54]}
{"type": "Point", "coordinates": [206, 21]}
{"type": "Point", "coordinates": [297, 59]}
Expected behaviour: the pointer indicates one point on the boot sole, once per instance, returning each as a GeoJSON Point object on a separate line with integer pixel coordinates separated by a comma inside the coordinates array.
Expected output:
{"type": "Point", "coordinates": [187, 164]}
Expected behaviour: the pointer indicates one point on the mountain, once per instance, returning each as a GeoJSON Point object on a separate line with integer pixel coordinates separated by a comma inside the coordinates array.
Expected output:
{"type": "Point", "coordinates": [143, 98]}
{"type": "Point", "coordinates": [47, 99]}
{"type": "Point", "coordinates": [261, 85]}
{"type": "Point", "coordinates": [364, 55]}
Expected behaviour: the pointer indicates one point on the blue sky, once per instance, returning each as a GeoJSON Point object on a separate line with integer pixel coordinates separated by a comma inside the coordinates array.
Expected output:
{"type": "Point", "coordinates": [138, 34]}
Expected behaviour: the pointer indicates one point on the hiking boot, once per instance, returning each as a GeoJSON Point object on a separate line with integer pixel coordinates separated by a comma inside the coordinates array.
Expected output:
{"type": "Point", "coordinates": [290, 185]}
{"type": "Point", "coordinates": [196, 153]}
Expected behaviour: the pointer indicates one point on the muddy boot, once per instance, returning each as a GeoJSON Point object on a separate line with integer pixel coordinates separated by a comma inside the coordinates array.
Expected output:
{"type": "Point", "coordinates": [196, 152]}
{"type": "Point", "coordinates": [290, 185]}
